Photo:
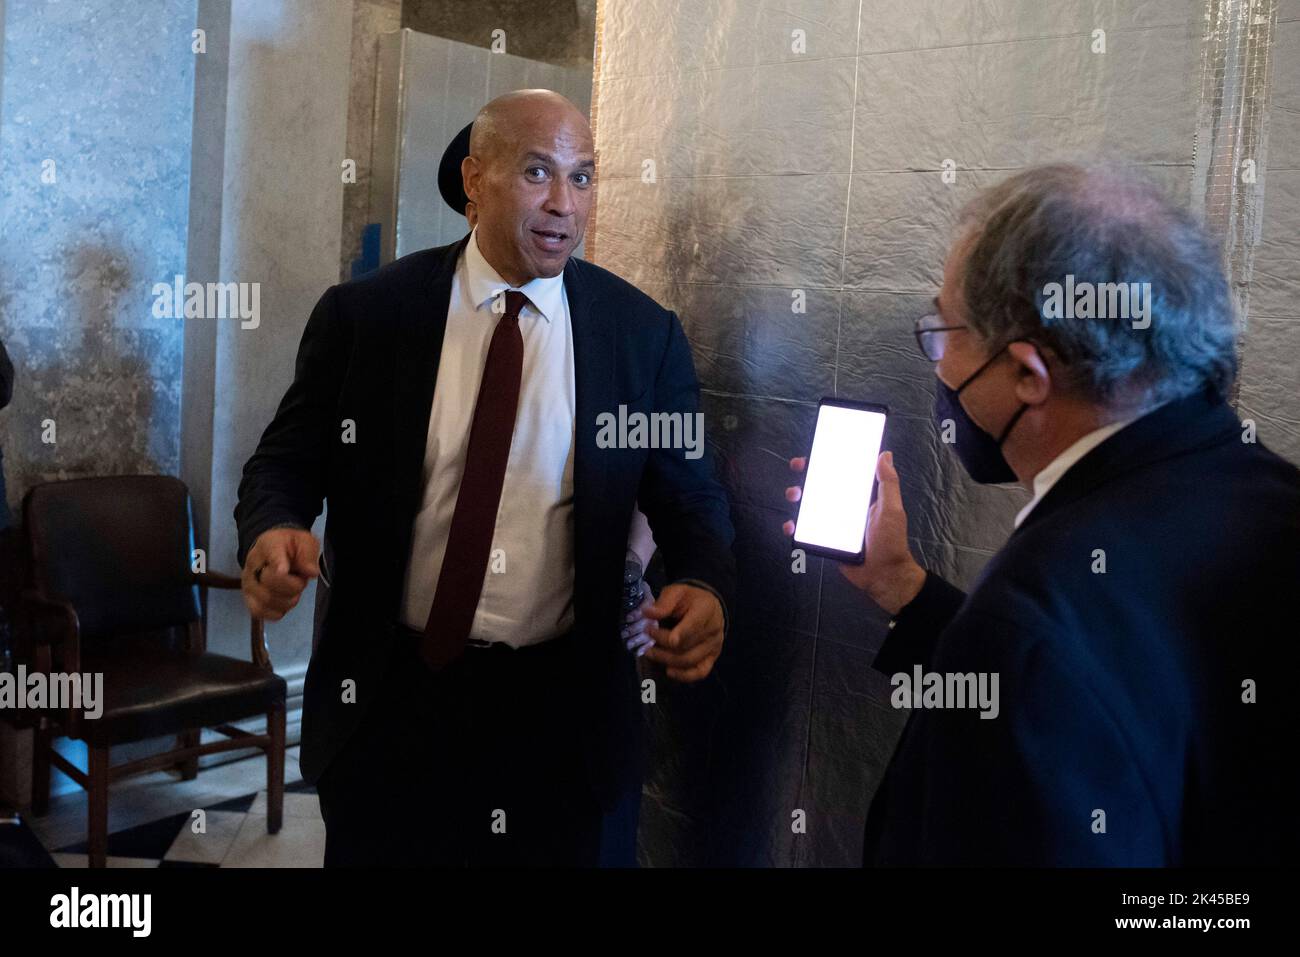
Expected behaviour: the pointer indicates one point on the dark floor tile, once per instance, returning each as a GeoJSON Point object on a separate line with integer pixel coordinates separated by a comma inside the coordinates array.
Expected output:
{"type": "Point", "coordinates": [187, 864]}
{"type": "Point", "coordinates": [19, 847]}
{"type": "Point", "coordinates": [151, 840]}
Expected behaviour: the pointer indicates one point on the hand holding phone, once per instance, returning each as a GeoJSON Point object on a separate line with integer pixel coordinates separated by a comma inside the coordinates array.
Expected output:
{"type": "Point", "coordinates": [838, 491]}
{"type": "Point", "coordinates": [887, 572]}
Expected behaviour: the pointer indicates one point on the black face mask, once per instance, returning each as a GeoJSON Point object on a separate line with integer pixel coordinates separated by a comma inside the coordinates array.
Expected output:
{"type": "Point", "coordinates": [979, 452]}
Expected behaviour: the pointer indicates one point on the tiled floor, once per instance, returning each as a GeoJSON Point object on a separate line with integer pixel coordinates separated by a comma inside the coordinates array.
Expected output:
{"type": "Point", "coordinates": [154, 821]}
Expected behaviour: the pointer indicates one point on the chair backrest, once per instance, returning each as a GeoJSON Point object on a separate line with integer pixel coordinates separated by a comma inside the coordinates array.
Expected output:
{"type": "Point", "coordinates": [118, 549]}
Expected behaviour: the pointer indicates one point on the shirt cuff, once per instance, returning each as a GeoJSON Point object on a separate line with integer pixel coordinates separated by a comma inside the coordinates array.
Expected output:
{"type": "Point", "coordinates": [914, 631]}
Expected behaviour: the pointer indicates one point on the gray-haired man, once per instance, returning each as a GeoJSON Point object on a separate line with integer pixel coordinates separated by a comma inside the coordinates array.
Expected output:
{"type": "Point", "coordinates": [1140, 619]}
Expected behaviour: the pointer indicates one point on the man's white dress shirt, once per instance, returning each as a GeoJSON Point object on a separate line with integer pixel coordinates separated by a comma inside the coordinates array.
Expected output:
{"type": "Point", "coordinates": [528, 589]}
{"type": "Point", "coordinates": [1052, 472]}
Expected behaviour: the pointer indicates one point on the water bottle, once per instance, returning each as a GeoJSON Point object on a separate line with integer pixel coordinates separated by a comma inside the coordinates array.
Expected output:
{"type": "Point", "coordinates": [631, 586]}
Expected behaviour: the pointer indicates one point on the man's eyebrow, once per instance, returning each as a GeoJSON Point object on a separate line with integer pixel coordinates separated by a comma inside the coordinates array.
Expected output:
{"type": "Point", "coordinates": [550, 160]}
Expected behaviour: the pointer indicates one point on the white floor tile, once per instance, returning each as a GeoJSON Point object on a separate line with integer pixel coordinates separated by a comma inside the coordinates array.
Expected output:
{"type": "Point", "coordinates": [300, 843]}
{"type": "Point", "coordinates": [295, 805]}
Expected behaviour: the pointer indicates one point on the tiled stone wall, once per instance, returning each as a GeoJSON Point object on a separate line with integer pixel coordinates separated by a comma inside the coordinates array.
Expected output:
{"type": "Point", "coordinates": [94, 195]}
{"type": "Point", "coordinates": [820, 168]}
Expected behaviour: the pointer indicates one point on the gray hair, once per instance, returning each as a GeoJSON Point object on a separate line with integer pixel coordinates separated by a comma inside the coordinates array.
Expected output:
{"type": "Point", "coordinates": [1101, 225]}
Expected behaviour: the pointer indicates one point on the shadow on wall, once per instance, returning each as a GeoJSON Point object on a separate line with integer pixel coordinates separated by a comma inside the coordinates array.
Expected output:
{"type": "Point", "coordinates": [773, 760]}
{"type": "Point", "coordinates": [728, 775]}
{"type": "Point", "coordinates": [85, 390]}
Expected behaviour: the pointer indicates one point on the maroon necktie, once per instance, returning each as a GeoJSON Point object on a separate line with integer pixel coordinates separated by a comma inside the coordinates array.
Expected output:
{"type": "Point", "coordinates": [469, 543]}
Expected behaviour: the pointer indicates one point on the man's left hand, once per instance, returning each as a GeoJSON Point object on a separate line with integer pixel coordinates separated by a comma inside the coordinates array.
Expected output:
{"type": "Point", "coordinates": [689, 649]}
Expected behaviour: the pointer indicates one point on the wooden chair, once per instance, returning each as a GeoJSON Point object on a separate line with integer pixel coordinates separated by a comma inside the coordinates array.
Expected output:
{"type": "Point", "coordinates": [113, 592]}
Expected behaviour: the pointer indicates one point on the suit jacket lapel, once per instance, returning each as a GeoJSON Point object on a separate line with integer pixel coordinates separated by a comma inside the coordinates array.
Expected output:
{"type": "Point", "coordinates": [593, 370]}
{"type": "Point", "coordinates": [418, 349]}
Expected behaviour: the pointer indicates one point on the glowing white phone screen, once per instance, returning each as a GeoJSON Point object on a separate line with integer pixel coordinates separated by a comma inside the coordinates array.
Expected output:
{"type": "Point", "coordinates": [841, 474]}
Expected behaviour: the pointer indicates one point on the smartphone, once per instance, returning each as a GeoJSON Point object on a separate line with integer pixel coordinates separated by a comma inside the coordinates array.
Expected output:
{"type": "Point", "coordinates": [840, 480]}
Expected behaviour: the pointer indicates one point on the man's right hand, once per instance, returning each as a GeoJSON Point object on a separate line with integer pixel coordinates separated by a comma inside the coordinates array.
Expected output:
{"type": "Point", "coordinates": [890, 576]}
{"type": "Point", "coordinates": [277, 569]}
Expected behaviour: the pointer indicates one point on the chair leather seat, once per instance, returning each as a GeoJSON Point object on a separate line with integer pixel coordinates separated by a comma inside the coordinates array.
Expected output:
{"type": "Point", "coordinates": [171, 691]}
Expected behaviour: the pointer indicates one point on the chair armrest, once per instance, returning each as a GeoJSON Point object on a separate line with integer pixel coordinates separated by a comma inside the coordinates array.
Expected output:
{"type": "Point", "coordinates": [260, 655]}
{"type": "Point", "coordinates": [51, 628]}
{"type": "Point", "coordinates": [51, 625]}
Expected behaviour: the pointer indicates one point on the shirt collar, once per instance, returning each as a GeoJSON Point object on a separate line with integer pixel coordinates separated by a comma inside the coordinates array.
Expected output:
{"type": "Point", "coordinates": [1052, 472]}
{"type": "Point", "coordinates": [545, 295]}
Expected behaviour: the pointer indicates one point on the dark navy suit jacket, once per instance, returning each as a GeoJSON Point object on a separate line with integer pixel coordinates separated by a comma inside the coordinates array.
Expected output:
{"type": "Point", "coordinates": [1121, 692]}
{"type": "Point", "coordinates": [370, 353]}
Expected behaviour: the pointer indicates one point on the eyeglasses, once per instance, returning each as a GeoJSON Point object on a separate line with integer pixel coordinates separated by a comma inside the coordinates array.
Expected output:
{"type": "Point", "coordinates": [927, 340]}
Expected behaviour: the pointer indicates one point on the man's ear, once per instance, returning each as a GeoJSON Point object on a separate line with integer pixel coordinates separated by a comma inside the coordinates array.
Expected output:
{"type": "Point", "coordinates": [470, 172]}
{"type": "Point", "coordinates": [1033, 377]}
